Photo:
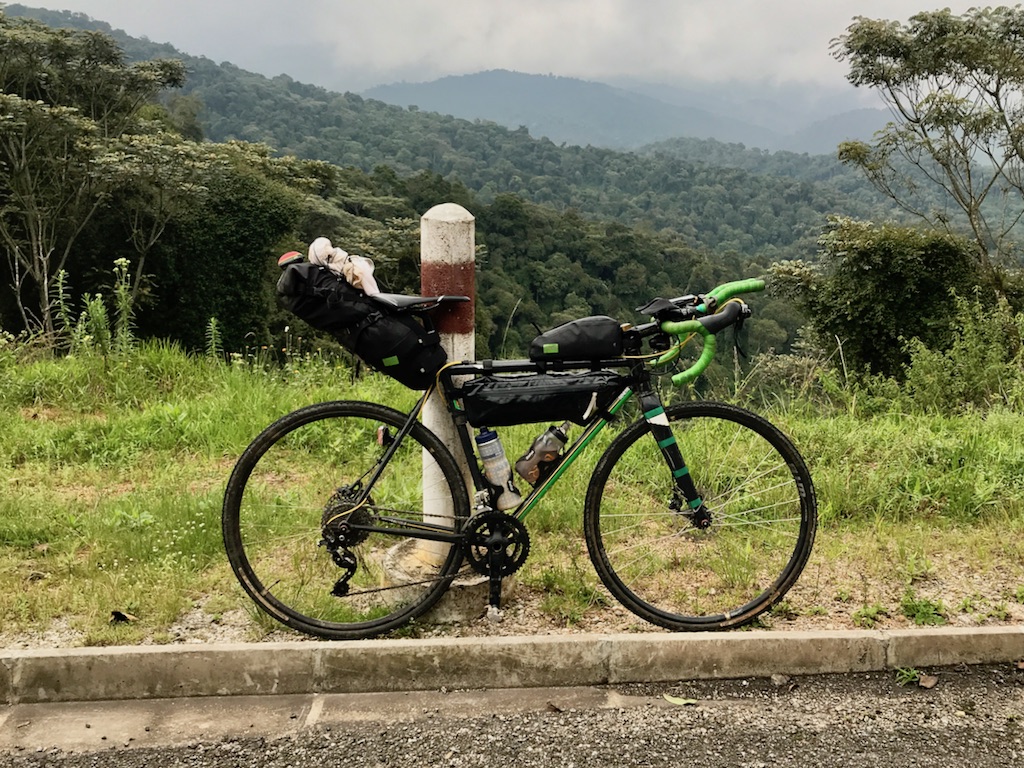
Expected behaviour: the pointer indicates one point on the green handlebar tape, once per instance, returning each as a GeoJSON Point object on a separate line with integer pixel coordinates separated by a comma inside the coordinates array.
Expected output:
{"type": "Point", "coordinates": [721, 294]}
{"type": "Point", "coordinates": [683, 327]}
{"type": "Point", "coordinates": [706, 356]}
{"type": "Point", "coordinates": [726, 291]}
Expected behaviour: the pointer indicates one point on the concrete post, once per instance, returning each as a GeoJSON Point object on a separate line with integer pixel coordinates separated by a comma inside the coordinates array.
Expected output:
{"type": "Point", "coordinates": [448, 255]}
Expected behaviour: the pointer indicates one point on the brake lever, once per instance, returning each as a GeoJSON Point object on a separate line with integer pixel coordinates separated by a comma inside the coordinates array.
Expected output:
{"type": "Point", "coordinates": [664, 309]}
{"type": "Point", "coordinates": [657, 308]}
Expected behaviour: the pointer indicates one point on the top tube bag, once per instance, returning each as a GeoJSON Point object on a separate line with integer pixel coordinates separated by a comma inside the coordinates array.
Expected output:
{"type": "Point", "coordinates": [588, 338]}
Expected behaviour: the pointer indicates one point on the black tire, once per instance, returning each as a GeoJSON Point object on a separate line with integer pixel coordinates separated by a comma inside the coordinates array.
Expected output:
{"type": "Point", "coordinates": [275, 512]}
{"type": "Point", "coordinates": [662, 567]}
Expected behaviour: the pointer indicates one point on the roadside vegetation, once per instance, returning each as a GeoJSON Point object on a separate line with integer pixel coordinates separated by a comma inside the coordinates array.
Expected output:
{"type": "Point", "coordinates": [115, 455]}
{"type": "Point", "coordinates": [893, 355]}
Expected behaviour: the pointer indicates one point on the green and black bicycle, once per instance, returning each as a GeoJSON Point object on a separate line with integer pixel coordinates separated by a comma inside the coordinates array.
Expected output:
{"type": "Point", "coordinates": [349, 519]}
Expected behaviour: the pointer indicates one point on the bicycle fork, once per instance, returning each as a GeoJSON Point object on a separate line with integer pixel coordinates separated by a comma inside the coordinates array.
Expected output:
{"type": "Point", "coordinates": [684, 490]}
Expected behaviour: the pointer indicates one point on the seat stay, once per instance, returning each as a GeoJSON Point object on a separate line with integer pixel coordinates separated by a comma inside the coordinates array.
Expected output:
{"type": "Point", "coordinates": [372, 475]}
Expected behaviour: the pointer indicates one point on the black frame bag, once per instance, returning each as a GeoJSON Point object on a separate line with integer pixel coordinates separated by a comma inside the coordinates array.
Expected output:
{"type": "Point", "coordinates": [501, 401]}
{"type": "Point", "coordinates": [398, 345]}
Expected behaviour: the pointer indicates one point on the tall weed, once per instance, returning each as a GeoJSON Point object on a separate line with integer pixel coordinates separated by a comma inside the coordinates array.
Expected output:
{"type": "Point", "coordinates": [983, 368]}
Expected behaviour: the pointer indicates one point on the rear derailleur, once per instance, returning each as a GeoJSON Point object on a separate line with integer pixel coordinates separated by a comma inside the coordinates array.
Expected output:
{"type": "Point", "coordinates": [343, 510]}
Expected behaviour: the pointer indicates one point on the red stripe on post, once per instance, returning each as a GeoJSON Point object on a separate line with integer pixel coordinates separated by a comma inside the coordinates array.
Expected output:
{"type": "Point", "coordinates": [437, 279]}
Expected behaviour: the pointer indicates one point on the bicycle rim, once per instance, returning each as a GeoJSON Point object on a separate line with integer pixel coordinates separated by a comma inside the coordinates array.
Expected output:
{"type": "Point", "coordinates": [666, 569]}
{"type": "Point", "coordinates": [293, 490]}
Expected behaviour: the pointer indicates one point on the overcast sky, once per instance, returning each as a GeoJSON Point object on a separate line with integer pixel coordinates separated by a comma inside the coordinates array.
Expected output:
{"type": "Point", "coordinates": [352, 45]}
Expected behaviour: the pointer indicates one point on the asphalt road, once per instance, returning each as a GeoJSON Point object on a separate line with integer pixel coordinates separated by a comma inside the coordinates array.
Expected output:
{"type": "Point", "coordinates": [973, 715]}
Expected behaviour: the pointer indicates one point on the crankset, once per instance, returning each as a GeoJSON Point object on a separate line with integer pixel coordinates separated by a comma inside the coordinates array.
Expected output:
{"type": "Point", "coordinates": [495, 544]}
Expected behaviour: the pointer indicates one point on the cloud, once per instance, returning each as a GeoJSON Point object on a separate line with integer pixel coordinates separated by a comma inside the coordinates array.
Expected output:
{"type": "Point", "coordinates": [354, 45]}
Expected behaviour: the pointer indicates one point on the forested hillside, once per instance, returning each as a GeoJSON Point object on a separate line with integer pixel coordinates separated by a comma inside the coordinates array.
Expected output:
{"type": "Point", "coordinates": [565, 230]}
{"type": "Point", "coordinates": [713, 205]}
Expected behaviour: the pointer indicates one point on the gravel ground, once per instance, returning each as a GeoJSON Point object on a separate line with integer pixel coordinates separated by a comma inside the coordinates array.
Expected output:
{"type": "Point", "coordinates": [971, 716]}
{"type": "Point", "coordinates": [525, 614]}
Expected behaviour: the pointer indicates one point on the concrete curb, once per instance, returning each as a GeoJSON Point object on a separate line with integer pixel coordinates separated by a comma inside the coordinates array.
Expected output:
{"type": "Point", "coordinates": [147, 672]}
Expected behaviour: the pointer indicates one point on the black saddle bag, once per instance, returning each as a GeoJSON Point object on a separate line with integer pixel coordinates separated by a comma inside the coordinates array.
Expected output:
{"type": "Point", "coordinates": [398, 345]}
{"type": "Point", "coordinates": [321, 298]}
{"type": "Point", "coordinates": [499, 401]}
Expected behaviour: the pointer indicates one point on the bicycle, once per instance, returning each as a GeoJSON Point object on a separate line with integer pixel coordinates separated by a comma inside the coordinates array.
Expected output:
{"type": "Point", "coordinates": [324, 517]}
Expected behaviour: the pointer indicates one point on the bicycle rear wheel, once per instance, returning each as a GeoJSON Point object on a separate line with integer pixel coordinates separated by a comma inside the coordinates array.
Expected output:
{"type": "Point", "coordinates": [300, 544]}
{"type": "Point", "coordinates": [665, 568]}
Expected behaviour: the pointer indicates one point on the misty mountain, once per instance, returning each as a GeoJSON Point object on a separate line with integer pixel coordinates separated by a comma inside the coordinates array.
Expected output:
{"type": "Point", "coordinates": [565, 110]}
{"type": "Point", "coordinates": [580, 112]}
{"type": "Point", "coordinates": [722, 196]}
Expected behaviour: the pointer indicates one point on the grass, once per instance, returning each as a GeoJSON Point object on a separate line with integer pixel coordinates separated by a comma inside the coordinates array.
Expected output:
{"type": "Point", "coordinates": [868, 616]}
{"type": "Point", "coordinates": [907, 676]}
{"type": "Point", "coordinates": [921, 610]}
{"type": "Point", "coordinates": [113, 470]}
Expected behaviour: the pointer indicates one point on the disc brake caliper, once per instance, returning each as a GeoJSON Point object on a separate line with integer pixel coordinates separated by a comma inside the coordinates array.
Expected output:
{"type": "Point", "coordinates": [700, 516]}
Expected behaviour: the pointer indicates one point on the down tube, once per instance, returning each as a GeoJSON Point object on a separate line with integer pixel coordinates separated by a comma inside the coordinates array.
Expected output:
{"type": "Point", "coordinates": [592, 430]}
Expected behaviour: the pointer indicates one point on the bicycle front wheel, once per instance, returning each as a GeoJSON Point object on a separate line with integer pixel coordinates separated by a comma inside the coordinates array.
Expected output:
{"type": "Point", "coordinates": [315, 557]}
{"type": "Point", "coordinates": [676, 570]}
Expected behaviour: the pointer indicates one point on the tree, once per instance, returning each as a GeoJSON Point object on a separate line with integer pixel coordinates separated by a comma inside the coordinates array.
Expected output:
{"type": "Point", "coordinates": [218, 260]}
{"type": "Point", "coordinates": [879, 286]}
{"type": "Point", "coordinates": [157, 175]}
{"type": "Point", "coordinates": [49, 192]}
{"type": "Point", "coordinates": [955, 88]}
{"type": "Point", "coordinates": [66, 100]}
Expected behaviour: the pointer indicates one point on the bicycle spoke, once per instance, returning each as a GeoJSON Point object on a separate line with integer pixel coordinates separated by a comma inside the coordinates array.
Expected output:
{"type": "Point", "coordinates": [659, 562]}
{"type": "Point", "coordinates": [296, 524]}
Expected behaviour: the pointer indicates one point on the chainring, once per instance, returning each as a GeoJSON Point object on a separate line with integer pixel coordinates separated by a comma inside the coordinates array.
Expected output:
{"type": "Point", "coordinates": [495, 543]}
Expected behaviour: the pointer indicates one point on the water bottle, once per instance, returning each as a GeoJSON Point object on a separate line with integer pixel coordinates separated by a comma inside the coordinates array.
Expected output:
{"type": "Point", "coordinates": [545, 453]}
{"type": "Point", "coordinates": [497, 469]}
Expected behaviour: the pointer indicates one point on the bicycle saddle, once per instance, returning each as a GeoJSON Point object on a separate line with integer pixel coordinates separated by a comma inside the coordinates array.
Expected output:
{"type": "Point", "coordinates": [402, 303]}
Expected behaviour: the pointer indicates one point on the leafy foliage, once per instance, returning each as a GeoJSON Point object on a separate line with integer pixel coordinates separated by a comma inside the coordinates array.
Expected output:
{"type": "Point", "coordinates": [955, 86]}
{"type": "Point", "coordinates": [878, 286]}
{"type": "Point", "coordinates": [981, 368]}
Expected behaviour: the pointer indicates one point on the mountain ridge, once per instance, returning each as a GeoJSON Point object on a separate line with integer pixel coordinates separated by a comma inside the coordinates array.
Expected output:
{"type": "Point", "coordinates": [585, 112]}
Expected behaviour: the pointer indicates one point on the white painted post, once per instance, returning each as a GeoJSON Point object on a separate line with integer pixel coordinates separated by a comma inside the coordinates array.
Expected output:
{"type": "Point", "coordinates": [448, 255]}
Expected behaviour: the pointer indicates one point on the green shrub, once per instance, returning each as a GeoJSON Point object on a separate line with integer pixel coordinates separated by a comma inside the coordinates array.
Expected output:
{"type": "Point", "coordinates": [983, 367]}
